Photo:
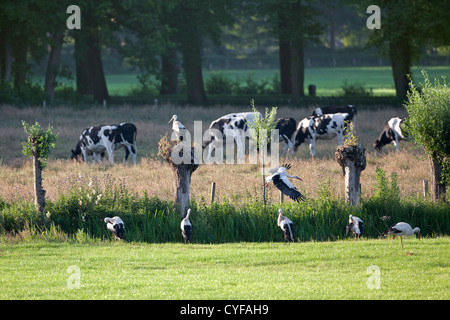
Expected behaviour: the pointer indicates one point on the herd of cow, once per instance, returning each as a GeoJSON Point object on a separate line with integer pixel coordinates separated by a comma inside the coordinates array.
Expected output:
{"type": "Point", "coordinates": [325, 123]}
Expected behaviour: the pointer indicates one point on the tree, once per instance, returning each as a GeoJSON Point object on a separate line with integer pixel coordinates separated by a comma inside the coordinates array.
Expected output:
{"type": "Point", "coordinates": [38, 146]}
{"type": "Point", "coordinates": [261, 130]}
{"type": "Point", "coordinates": [295, 24]}
{"type": "Point", "coordinates": [406, 27]}
{"type": "Point", "coordinates": [182, 170]}
{"type": "Point", "coordinates": [429, 125]}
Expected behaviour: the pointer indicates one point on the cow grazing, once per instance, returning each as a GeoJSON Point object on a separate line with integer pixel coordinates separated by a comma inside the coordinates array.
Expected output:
{"type": "Point", "coordinates": [392, 133]}
{"type": "Point", "coordinates": [97, 141]}
{"type": "Point", "coordinates": [287, 127]}
{"type": "Point", "coordinates": [231, 125]}
{"type": "Point", "coordinates": [351, 110]}
{"type": "Point", "coordinates": [324, 127]}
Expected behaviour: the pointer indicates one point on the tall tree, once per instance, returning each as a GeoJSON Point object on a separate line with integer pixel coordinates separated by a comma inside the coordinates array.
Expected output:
{"type": "Point", "coordinates": [95, 27]}
{"type": "Point", "coordinates": [295, 24]}
{"type": "Point", "coordinates": [406, 27]}
{"type": "Point", "coordinates": [193, 21]}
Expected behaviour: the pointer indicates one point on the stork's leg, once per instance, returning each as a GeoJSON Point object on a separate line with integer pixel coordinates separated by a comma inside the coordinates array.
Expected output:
{"type": "Point", "coordinates": [401, 240]}
{"type": "Point", "coordinates": [393, 237]}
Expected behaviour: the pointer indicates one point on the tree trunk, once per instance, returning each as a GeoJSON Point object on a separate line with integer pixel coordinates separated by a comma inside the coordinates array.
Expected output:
{"type": "Point", "coordinates": [38, 190]}
{"type": "Point", "coordinates": [53, 65]}
{"type": "Point", "coordinates": [352, 159]}
{"type": "Point", "coordinates": [297, 70]}
{"type": "Point", "coordinates": [89, 67]}
{"type": "Point", "coordinates": [192, 65]}
{"type": "Point", "coordinates": [20, 67]}
{"type": "Point", "coordinates": [182, 171]}
{"type": "Point", "coordinates": [439, 188]}
{"type": "Point", "coordinates": [285, 67]}
{"type": "Point", "coordinates": [5, 57]}
{"type": "Point", "coordinates": [170, 71]}
{"type": "Point", "coordinates": [400, 56]}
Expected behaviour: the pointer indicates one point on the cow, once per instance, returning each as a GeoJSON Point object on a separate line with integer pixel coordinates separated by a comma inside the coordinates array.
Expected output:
{"type": "Point", "coordinates": [97, 141]}
{"type": "Point", "coordinates": [392, 133]}
{"type": "Point", "coordinates": [287, 127]}
{"type": "Point", "coordinates": [351, 110]}
{"type": "Point", "coordinates": [231, 125]}
{"type": "Point", "coordinates": [324, 127]}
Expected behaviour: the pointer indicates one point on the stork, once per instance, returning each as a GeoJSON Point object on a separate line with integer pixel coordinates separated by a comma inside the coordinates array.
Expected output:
{"type": "Point", "coordinates": [286, 225]}
{"type": "Point", "coordinates": [280, 180]}
{"type": "Point", "coordinates": [186, 227]}
{"type": "Point", "coordinates": [177, 127]}
{"type": "Point", "coordinates": [402, 229]}
{"type": "Point", "coordinates": [356, 225]}
{"type": "Point", "coordinates": [116, 226]}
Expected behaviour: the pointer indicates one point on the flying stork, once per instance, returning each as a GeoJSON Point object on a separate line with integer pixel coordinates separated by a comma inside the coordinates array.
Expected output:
{"type": "Point", "coordinates": [116, 226]}
{"type": "Point", "coordinates": [280, 180]}
{"type": "Point", "coordinates": [177, 127]}
{"type": "Point", "coordinates": [287, 226]}
{"type": "Point", "coordinates": [186, 227]}
{"type": "Point", "coordinates": [402, 229]}
{"type": "Point", "coordinates": [356, 225]}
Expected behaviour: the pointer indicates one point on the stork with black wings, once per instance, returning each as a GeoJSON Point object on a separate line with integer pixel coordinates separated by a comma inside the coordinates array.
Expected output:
{"type": "Point", "coordinates": [280, 179]}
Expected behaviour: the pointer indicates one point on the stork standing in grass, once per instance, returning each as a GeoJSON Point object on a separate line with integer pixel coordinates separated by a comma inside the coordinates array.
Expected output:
{"type": "Point", "coordinates": [116, 226]}
{"type": "Point", "coordinates": [286, 225]}
{"type": "Point", "coordinates": [355, 225]}
{"type": "Point", "coordinates": [186, 227]}
{"type": "Point", "coordinates": [177, 127]}
{"type": "Point", "coordinates": [402, 229]}
{"type": "Point", "coordinates": [280, 180]}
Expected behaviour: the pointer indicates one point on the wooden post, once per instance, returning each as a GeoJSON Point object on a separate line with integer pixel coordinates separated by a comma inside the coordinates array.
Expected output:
{"type": "Point", "coordinates": [425, 187]}
{"type": "Point", "coordinates": [213, 191]}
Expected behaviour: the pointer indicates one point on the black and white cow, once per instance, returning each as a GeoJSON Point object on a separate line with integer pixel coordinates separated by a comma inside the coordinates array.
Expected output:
{"type": "Point", "coordinates": [324, 127]}
{"type": "Point", "coordinates": [287, 127]}
{"type": "Point", "coordinates": [97, 141]}
{"type": "Point", "coordinates": [351, 110]}
{"type": "Point", "coordinates": [231, 125]}
{"type": "Point", "coordinates": [392, 133]}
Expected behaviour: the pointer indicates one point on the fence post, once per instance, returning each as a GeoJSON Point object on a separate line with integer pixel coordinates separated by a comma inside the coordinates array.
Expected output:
{"type": "Point", "coordinates": [213, 191]}
{"type": "Point", "coordinates": [425, 187]}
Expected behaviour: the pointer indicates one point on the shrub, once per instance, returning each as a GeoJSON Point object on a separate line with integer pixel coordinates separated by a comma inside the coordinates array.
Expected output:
{"type": "Point", "coordinates": [355, 90]}
{"type": "Point", "coordinates": [218, 83]}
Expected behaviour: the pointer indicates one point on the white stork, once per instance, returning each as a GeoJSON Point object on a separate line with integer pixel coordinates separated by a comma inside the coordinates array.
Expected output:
{"type": "Point", "coordinates": [116, 226]}
{"type": "Point", "coordinates": [356, 225]}
{"type": "Point", "coordinates": [402, 229]}
{"type": "Point", "coordinates": [177, 127]}
{"type": "Point", "coordinates": [280, 180]}
{"type": "Point", "coordinates": [286, 225]}
{"type": "Point", "coordinates": [186, 227]}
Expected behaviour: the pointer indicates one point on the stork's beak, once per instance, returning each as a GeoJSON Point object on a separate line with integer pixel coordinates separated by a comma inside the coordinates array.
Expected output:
{"type": "Point", "coordinates": [299, 178]}
{"type": "Point", "coordinates": [170, 120]}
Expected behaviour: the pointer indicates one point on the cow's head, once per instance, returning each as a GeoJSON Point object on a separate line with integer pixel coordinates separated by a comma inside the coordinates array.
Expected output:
{"type": "Point", "coordinates": [377, 145]}
{"type": "Point", "coordinates": [76, 155]}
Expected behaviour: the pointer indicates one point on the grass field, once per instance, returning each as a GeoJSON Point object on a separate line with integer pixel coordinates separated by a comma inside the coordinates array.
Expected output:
{"type": "Point", "coordinates": [365, 269]}
{"type": "Point", "coordinates": [154, 176]}
{"type": "Point", "coordinates": [327, 80]}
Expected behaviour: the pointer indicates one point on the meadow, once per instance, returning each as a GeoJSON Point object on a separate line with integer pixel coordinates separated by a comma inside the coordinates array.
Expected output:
{"type": "Point", "coordinates": [237, 250]}
{"type": "Point", "coordinates": [367, 269]}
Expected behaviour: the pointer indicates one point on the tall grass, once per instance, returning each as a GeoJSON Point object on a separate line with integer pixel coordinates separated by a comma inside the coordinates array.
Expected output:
{"type": "Point", "coordinates": [81, 209]}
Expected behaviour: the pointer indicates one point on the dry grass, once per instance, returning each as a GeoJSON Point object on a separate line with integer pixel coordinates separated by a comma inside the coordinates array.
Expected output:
{"type": "Point", "coordinates": [154, 175]}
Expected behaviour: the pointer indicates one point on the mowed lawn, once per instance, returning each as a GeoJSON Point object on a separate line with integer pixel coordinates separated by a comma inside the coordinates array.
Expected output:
{"type": "Point", "coordinates": [345, 269]}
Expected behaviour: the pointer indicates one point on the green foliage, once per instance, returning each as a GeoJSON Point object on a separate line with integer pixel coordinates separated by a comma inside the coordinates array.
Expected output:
{"type": "Point", "coordinates": [355, 89]}
{"type": "Point", "coordinates": [39, 142]}
{"type": "Point", "coordinates": [218, 83]}
{"type": "Point", "coordinates": [261, 124]}
{"type": "Point", "coordinates": [429, 116]}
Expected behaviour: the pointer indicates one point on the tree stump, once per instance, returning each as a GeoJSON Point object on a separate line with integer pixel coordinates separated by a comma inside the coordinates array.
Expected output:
{"type": "Point", "coordinates": [352, 160]}
{"type": "Point", "coordinates": [182, 167]}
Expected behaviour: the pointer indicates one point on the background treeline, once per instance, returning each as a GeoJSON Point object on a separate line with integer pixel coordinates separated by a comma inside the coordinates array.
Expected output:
{"type": "Point", "coordinates": [166, 43]}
